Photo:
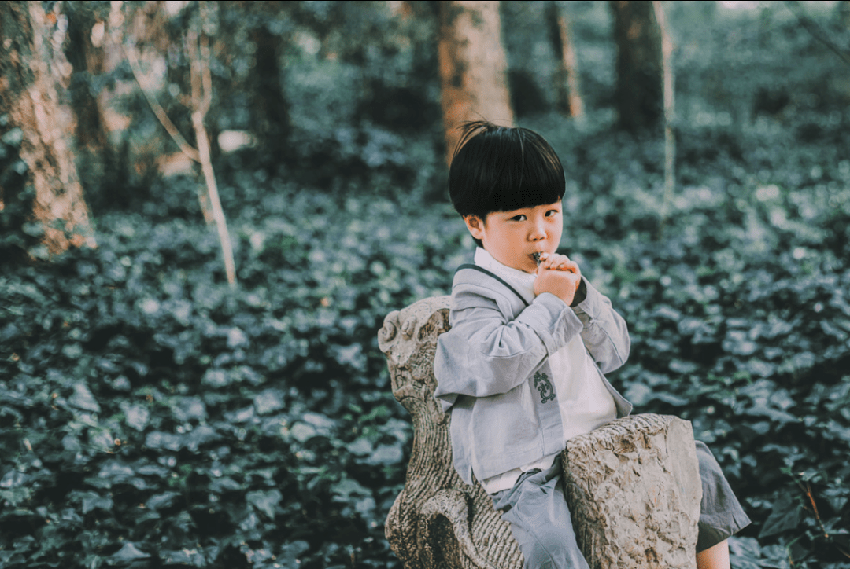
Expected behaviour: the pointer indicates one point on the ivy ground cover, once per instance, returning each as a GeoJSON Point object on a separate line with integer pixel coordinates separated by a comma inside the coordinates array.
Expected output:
{"type": "Point", "coordinates": [152, 417]}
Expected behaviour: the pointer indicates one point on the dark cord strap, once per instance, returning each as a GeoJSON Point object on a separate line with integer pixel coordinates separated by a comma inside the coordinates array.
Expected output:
{"type": "Point", "coordinates": [501, 280]}
{"type": "Point", "coordinates": [581, 292]}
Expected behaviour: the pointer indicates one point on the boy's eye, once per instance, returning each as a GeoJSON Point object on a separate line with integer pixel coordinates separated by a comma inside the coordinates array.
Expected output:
{"type": "Point", "coordinates": [518, 218]}
{"type": "Point", "coordinates": [552, 212]}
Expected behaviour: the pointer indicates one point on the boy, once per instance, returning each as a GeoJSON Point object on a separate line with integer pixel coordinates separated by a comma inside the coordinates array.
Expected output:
{"type": "Point", "coordinates": [521, 370]}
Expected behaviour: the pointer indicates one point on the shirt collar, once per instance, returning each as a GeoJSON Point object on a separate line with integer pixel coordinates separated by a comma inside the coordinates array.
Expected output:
{"type": "Point", "coordinates": [523, 282]}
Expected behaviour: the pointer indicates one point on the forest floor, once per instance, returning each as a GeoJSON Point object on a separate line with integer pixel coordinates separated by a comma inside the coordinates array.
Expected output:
{"type": "Point", "coordinates": [153, 416]}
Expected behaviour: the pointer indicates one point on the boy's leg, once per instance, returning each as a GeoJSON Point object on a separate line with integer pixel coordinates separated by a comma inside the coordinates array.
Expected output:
{"type": "Point", "coordinates": [721, 515]}
{"type": "Point", "coordinates": [537, 510]}
{"type": "Point", "coordinates": [715, 557]}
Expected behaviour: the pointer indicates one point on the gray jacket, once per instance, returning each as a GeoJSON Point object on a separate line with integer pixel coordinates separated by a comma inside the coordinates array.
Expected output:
{"type": "Point", "coordinates": [493, 371]}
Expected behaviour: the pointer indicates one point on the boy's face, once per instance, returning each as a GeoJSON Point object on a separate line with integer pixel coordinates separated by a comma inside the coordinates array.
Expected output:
{"type": "Point", "coordinates": [512, 237]}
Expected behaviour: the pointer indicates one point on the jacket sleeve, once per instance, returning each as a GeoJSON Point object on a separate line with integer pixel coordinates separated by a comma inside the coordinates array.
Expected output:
{"type": "Point", "coordinates": [604, 330]}
{"type": "Point", "coordinates": [484, 354]}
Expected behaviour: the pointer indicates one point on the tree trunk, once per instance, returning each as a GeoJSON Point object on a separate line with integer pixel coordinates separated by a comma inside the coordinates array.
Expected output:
{"type": "Point", "coordinates": [639, 91]}
{"type": "Point", "coordinates": [97, 159]}
{"type": "Point", "coordinates": [569, 101]}
{"type": "Point", "coordinates": [34, 76]}
{"type": "Point", "coordinates": [669, 114]}
{"type": "Point", "coordinates": [202, 95]}
{"type": "Point", "coordinates": [843, 9]}
{"type": "Point", "coordinates": [473, 68]}
{"type": "Point", "coordinates": [270, 122]}
{"type": "Point", "coordinates": [149, 41]}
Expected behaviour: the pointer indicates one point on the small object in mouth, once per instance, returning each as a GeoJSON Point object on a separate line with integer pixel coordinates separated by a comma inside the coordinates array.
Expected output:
{"type": "Point", "coordinates": [537, 257]}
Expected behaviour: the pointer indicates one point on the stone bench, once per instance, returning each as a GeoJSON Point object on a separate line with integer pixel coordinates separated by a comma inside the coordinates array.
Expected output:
{"type": "Point", "coordinates": [633, 485]}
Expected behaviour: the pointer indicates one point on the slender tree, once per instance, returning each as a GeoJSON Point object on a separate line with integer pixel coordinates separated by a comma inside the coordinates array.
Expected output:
{"type": "Point", "coordinates": [566, 86]}
{"type": "Point", "coordinates": [34, 75]}
{"type": "Point", "coordinates": [473, 68]}
{"type": "Point", "coordinates": [639, 90]}
{"type": "Point", "coordinates": [198, 53]}
{"type": "Point", "coordinates": [86, 49]}
{"type": "Point", "coordinates": [269, 109]}
{"type": "Point", "coordinates": [669, 110]}
{"type": "Point", "coordinates": [198, 50]}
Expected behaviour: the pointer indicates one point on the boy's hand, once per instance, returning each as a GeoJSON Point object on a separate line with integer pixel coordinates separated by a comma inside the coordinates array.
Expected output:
{"type": "Point", "coordinates": [555, 262]}
{"type": "Point", "coordinates": [562, 284]}
{"type": "Point", "coordinates": [558, 275]}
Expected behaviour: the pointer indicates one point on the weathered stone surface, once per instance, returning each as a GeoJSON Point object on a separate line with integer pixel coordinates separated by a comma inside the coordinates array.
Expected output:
{"type": "Point", "coordinates": [437, 520]}
{"type": "Point", "coordinates": [634, 492]}
{"type": "Point", "coordinates": [633, 485]}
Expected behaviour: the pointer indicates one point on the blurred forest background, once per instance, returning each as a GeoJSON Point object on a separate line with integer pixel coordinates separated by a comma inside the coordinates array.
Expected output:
{"type": "Point", "coordinates": [208, 208]}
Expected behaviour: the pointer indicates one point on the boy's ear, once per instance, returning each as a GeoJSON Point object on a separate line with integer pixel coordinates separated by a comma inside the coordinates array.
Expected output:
{"type": "Point", "coordinates": [474, 224]}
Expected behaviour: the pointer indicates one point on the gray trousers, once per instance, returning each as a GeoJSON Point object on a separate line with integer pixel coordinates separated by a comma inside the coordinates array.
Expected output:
{"type": "Point", "coordinates": [537, 510]}
{"type": "Point", "coordinates": [540, 520]}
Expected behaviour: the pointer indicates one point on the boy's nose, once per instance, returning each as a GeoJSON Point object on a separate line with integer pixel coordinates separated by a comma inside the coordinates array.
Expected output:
{"type": "Point", "coordinates": [538, 231]}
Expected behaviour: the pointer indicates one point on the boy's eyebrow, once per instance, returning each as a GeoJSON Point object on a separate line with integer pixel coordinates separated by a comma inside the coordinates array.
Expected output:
{"type": "Point", "coordinates": [529, 207]}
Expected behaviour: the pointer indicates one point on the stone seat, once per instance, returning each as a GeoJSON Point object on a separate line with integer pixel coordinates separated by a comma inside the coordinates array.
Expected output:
{"type": "Point", "coordinates": [633, 485]}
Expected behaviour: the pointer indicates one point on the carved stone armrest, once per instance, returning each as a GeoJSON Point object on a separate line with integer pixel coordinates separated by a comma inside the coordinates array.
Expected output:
{"type": "Point", "coordinates": [634, 491]}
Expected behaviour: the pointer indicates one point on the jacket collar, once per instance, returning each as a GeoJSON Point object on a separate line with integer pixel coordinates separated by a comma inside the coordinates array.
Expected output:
{"type": "Point", "coordinates": [520, 281]}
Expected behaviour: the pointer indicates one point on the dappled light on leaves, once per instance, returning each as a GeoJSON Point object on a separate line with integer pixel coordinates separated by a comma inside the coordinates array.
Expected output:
{"type": "Point", "coordinates": [150, 414]}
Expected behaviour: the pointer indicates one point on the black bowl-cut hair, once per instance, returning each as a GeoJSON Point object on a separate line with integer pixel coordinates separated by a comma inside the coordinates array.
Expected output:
{"type": "Point", "coordinates": [497, 168]}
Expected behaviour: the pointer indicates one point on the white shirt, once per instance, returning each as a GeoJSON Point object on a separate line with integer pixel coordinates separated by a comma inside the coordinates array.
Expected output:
{"type": "Point", "coordinates": [584, 402]}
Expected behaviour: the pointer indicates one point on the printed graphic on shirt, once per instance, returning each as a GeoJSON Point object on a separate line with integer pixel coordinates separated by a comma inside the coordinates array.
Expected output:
{"type": "Point", "coordinates": [544, 386]}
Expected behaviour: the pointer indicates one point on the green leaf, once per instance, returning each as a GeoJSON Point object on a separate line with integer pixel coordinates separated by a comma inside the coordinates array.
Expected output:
{"type": "Point", "coordinates": [268, 401]}
{"type": "Point", "coordinates": [82, 398]}
{"type": "Point", "coordinates": [13, 136]}
{"type": "Point", "coordinates": [387, 454]}
{"type": "Point", "coordinates": [744, 553]}
{"type": "Point", "coordinates": [786, 516]}
{"type": "Point", "coordinates": [265, 501]}
{"type": "Point", "coordinates": [302, 432]}
{"type": "Point", "coordinates": [128, 553]}
{"type": "Point", "coordinates": [15, 496]}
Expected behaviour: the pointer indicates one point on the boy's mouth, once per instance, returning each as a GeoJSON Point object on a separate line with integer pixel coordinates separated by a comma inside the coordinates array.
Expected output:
{"type": "Point", "coordinates": [537, 256]}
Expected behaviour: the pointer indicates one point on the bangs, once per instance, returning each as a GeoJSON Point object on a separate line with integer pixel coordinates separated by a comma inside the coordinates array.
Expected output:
{"type": "Point", "coordinates": [503, 169]}
{"type": "Point", "coordinates": [527, 174]}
